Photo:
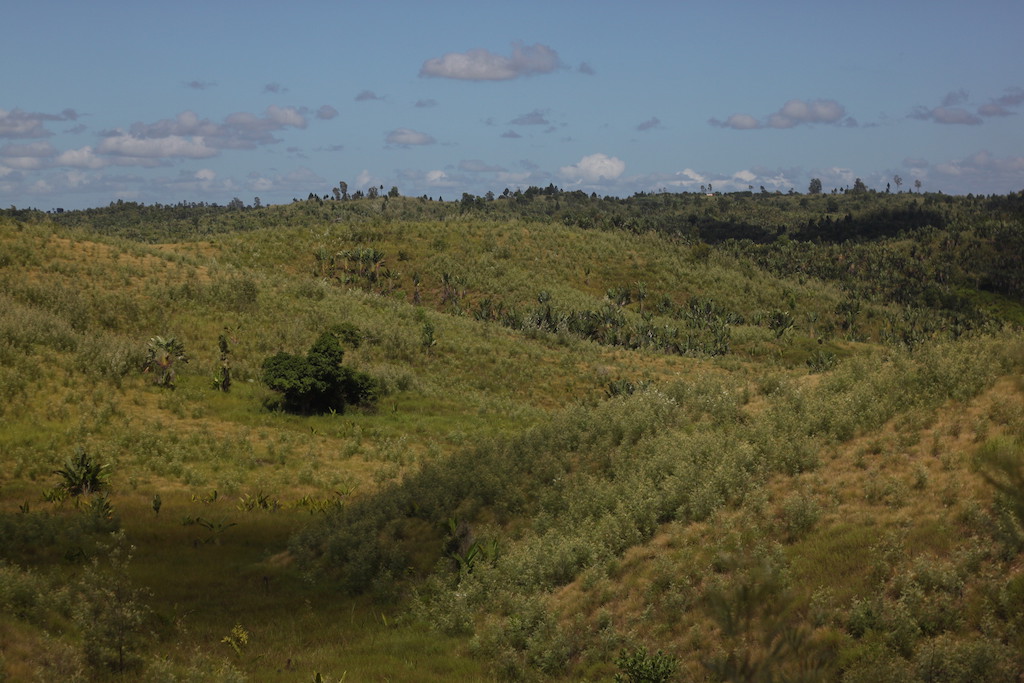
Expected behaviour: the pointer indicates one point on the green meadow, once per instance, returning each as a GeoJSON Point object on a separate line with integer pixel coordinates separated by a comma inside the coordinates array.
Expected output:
{"type": "Point", "coordinates": [743, 437]}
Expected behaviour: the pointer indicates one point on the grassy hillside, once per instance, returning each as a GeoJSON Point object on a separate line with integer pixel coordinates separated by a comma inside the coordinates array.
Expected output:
{"type": "Point", "coordinates": [709, 438]}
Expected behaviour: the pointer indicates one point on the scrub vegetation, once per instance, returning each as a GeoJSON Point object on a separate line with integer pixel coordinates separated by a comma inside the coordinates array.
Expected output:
{"type": "Point", "coordinates": [536, 436]}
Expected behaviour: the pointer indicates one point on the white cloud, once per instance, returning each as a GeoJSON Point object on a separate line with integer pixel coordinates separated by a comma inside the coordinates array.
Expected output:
{"type": "Point", "coordinates": [982, 172]}
{"type": "Point", "coordinates": [205, 174]}
{"type": "Point", "coordinates": [261, 184]}
{"type": "Point", "coordinates": [793, 113]}
{"type": "Point", "coordinates": [438, 178]}
{"type": "Point", "coordinates": [737, 122]}
{"type": "Point", "coordinates": [285, 116]}
{"type": "Point", "coordinates": [17, 123]}
{"type": "Point", "coordinates": [31, 149]}
{"type": "Point", "coordinates": [84, 157]}
{"type": "Point", "coordinates": [404, 137]}
{"type": "Point", "coordinates": [241, 130]}
{"type": "Point", "coordinates": [126, 145]}
{"type": "Point", "coordinates": [482, 65]}
{"type": "Point", "coordinates": [947, 115]}
{"type": "Point", "coordinates": [796, 112]}
{"type": "Point", "coordinates": [594, 168]}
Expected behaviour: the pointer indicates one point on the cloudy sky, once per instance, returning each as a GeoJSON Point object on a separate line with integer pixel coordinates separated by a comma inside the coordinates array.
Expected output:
{"type": "Point", "coordinates": [211, 100]}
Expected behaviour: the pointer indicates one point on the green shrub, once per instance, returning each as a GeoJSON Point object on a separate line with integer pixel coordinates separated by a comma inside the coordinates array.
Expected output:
{"type": "Point", "coordinates": [640, 666]}
{"type": "Point", "coordinates": [82, 475]}
{"type": "Point", "coordinates": [949, 659]}
{"type": "Point", "coordinates": [317, 382]}
{"type": "Point", "coordinates": [799, 515]}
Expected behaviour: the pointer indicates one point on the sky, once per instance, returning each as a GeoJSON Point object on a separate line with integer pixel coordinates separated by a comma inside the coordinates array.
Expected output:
{"type": "Point", "coordinates": [215, 100]}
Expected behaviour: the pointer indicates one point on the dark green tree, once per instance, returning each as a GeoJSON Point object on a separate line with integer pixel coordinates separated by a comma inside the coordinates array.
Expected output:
{"type": "Point", "coordinates": [815, 186]}
{"type": "Point", "coordinates": [318, 382]}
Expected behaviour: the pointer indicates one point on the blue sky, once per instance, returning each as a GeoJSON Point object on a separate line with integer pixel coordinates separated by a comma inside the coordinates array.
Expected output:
{"type": "Point", "coordinates": [207, 101]}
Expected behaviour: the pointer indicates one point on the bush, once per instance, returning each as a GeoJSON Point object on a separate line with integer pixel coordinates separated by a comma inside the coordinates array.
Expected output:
{"type": "Point", "coordinates": [317, 382]}
{"type": "Point", "coordinates": [642, 667]}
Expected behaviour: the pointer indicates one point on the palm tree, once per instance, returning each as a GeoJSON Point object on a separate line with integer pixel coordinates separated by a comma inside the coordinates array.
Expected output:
{"type": "Point", "coordinates": [161, 356]}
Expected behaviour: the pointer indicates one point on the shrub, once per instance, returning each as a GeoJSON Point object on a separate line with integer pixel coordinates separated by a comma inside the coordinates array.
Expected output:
{"type": "Point", "coordinates": [317, 382]}
{"type": "Point", "coordinates": [161, 357]}
{"type": "Point", "coordinates": [642, 667]}
{"type": "Point", "coordinates": [799, 515]}
{"type": "Point", "coordinates": [110, 612]}
{"type": "Point", "coordinates": [82, 475]}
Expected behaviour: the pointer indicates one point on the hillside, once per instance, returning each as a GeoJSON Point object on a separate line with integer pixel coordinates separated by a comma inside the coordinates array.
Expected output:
{"type": "Point", "coordinates": [729, 437]}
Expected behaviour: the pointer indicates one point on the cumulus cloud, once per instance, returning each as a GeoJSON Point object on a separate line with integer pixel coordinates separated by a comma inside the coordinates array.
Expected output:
{"type": "Point", "coordinates": [947, 115]}
{"type": "Point", "coordinates": [31, 149]}
{"type": "Point", "coordinates": [438, 178]}
{"type": "Point", "coordinates": [127, 145]}
{"type": "Point", "coordinates": [534, 118]}
{"type": "Point", "coordinates": [981, 172]}
{"type": "Point", "coordinates": [241, 130]}
{"type": "Point", "coordinates": [426, 104]}
{"type": "Point", "coordinates": [84, 157]}
{"type": "Point", "coordinates": [326, 112]}
{"type": "Point", "coordinates": [482, 65]}
{"type": "Point", "coordinates": [594, 168]}
{"type": "Point", "coordinates": [1001, 106]}
{"type": "Point", "coordinates": [796, 112]}
{"type": "Point", "coordinates": [17, 123]}
{"type": "Point", "coordinates": [585, 69]}
{"type": "Point", "coordinates": [186, 136]}
{"type": "Point", "coordinates": [737, 122]}
{"type": "Point", "coordinates": [274, 88]}
{"type": "Point", "coordinates": [404, 137]}
{"type": "Point", "coordinates": [511, 135]}
{"type": "Point", "coordinates": [793, 113]}
{"type": "Point", "coordinates": [948, 112]}
{"type": "Point", "coordinates": [368, 96]}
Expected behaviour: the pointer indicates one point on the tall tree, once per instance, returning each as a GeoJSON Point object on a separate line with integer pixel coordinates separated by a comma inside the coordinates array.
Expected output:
{"type": "Point", "coordinates": [815, 186]}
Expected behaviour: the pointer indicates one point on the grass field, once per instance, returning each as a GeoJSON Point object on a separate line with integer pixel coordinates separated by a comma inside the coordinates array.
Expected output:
{"type": "Point", "coordinates": [733, 460]}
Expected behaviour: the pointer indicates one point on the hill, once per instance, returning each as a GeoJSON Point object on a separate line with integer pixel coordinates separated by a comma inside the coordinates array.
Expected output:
{"type": "Point", "coordinates": [727, 437]}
